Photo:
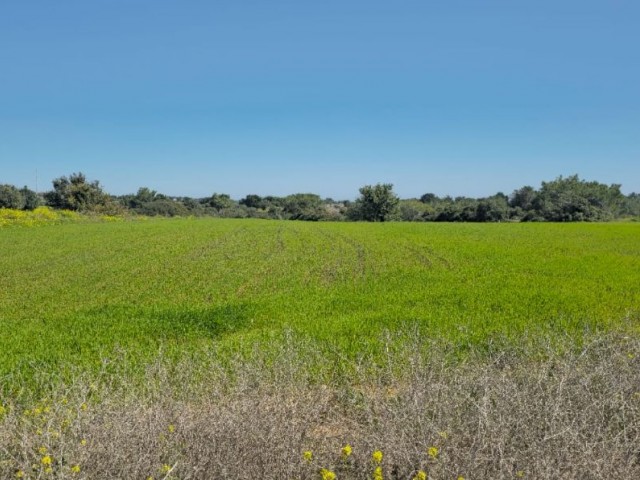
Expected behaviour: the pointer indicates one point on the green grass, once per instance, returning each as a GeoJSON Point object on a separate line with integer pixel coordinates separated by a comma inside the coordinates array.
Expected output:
{"type": "Point", "coordinates": [71, 294]}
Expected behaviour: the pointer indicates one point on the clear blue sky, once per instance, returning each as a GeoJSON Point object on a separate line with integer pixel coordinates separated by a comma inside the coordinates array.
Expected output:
{"type": "Point", "coordinates": [276, 97]}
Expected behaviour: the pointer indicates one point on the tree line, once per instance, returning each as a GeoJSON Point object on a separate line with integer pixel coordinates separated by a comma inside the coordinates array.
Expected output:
{"type": "Point", "coordinates": [565, 199]}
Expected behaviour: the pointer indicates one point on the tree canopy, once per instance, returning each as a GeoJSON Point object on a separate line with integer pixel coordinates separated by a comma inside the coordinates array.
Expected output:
{"type": "Point", "coordinates": [376, 203]}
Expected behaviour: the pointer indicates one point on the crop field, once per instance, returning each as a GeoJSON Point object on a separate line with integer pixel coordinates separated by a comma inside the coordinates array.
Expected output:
{"type": "Point", "coordinates": [399, 331]}
{"type": "Point", "coordinates": [73, 293]}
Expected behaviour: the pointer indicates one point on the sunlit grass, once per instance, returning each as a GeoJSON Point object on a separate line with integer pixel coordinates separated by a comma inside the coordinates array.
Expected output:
{"type": "Point", "coordinates": [75, 293]}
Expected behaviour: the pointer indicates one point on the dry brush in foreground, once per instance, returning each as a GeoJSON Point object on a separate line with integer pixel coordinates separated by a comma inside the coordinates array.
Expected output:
{"type": "Point", "coordinates": [490, 416]}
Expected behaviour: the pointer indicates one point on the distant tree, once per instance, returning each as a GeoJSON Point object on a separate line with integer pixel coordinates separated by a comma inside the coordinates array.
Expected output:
{"type": "Point", "coordinates": [253, 201]}
{"type": "Point", "coordinates": [376, 203]}
{"type": "Point", "coordinates": [194, 206]}
{"type": "Point", "coordinates": [163, 207]}
{"type": "Point", "coordinates": [492, 209]}
{"type": "Point", "coordinates": [145, 195]}
{"type": "Point", "coordinates": [11, 197]}
{"type": "Point", "coordinates": [76, 193]}
{"type": "Point", "coordinates": [303, 206]}
{"type": "Point", "coordinates": [523, 198]}
{"type": "Point", "coordinates": [413, 210]}
{"type": "Point", "coordinates": [429, 198]}
{"type": "Point", "coordinates": [571, 199]}
{"type": "Point", "coordinates": [219, 201]}
{"type": "Point", "coordinates": [631, 205]}
{"type": "Point", "coordinates": [31, 199]}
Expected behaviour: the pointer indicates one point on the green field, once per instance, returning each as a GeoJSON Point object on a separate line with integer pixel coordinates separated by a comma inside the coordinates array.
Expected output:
{"type": "Point", "coordinates": [210, 348]}
{"type": "Point", "coordinates": [74, 293]}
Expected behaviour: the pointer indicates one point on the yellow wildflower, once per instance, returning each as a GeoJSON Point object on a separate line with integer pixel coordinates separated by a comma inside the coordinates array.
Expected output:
{"type": "Point", "coordinates": [75, 469]}
{"type": "Point", "coordinates": [171, 428]}
{"type": "Point", "coordinates": [377, 457]}
{"type": "Point", "coordinates": [433, 452]}
{"type": "Point", "coordinates": [19, 474]}
{"type": "Point", "coordinates": [37, 411]}
{"type": "Point", "coordinates": [307, 455]}
{"type": "Point", "coordinates": [377, 474]}
{"type": "Point", "coordinates": [48, 470]}
{"type": "Point", "coordinates": [327, 474]}
{"type": "Point", "coordinates": [83, 442]}
{"type": "Point", "coordinates": [42, 450]}
{"type": "Point", "coordinates": [38, 431]}
{"type": "Point", "coordinates": [46, 460]}
{"type": "Point", "coordinates": [165, 468]}
{"type": "Point", "coordinates": [520, 473]}
{"type": "Point", "coordinates": [84, 406]}
{"type": "Point", "coordinates": [346, 451]}
{"type": "Point", "coordinates": [460, 477]}
{"type": "Point", "coordinates": [421, 475]}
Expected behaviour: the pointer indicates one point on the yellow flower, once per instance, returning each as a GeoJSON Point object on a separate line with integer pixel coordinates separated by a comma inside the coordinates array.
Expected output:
{"type": "Point", "coordinates": [46, 460]}
{"type": "Point", "coordinates": [346, 451]}
{"type": "Point", "coordinates": [171, 428]}
{"type": "Point", "coordinates": [48, 470]}
{"type": "Point", "coordinates": [38, 431]}
{"type": "Point", "coordinates": [377, 474]}
{"type": "Point", "coordinates": [83, 442]}
{"type": "Point", "coordinates": [307, 455]}
{"type": "Point", "coordinates": [520, 473]}
{"type": "Point", "coordinates": [327, 474]}
{"type": "Point", "coordinates": [75, 469]}
{"type": "Point", "coordinates": [19, 474]}
{"type": "Point", "coordinates": [37, 411]}
{"type": "Point", "coordinates": [42, 450]}
{"type": "Point", "coordinates": [421, 475]}
{"type": "Point", "coordinates": [377, 457]}
{"type": "Point", "coordinates": [165, 468]}
{"type": "Point", "coordinates": [84, 406]}
{"type": "Point", "coordinates": [433, 452]}
{"type": "Point", "coordinates": [460, 477]}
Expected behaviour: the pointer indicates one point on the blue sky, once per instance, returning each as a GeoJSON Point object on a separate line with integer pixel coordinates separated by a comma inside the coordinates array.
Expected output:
{"type": "Point", "coordinates": [277, 97]}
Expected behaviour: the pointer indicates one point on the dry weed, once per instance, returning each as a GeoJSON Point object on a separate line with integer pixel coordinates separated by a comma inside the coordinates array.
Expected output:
{"type": "Point", "coordinates": [490, 416]}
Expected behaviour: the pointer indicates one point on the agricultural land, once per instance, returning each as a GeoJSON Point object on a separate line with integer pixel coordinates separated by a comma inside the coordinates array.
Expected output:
{"type": "Point", "coordinates": [230, 348]}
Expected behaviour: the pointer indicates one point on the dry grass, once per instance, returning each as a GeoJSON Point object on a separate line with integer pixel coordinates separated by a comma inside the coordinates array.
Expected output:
{"type": "Point", "coordinates": [490, 416]}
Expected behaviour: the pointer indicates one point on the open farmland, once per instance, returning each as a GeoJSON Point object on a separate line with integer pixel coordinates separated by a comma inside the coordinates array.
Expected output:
{"type": "Point", "coordinates": [71, 293]}
{"type": "Point", "coordinates": [279, 312]}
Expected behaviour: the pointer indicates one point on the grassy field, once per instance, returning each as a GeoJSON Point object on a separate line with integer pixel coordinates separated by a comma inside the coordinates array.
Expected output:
{"type": "Point", "coordinates": [73, 293]}
{"type": "Point", "coordinates": [474, 330]}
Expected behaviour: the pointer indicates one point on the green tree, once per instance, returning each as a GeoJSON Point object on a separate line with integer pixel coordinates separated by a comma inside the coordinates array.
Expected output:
{"type": "Point", "coordinates": [303, 206]}
{"type": "Point", "coordinates": [76, 193]}
{"type": "Point", "coordinates": [31, 199]}
{"type": "Point", "coordinates": [11, 197]}
{"type": "Point", "coordinates": [376, 203]}
{"type": "Point", "coordinates": [571, 199]}
{"type": "Point", "coordinates": [253, 201]}
{"type": "Point", "coordinates": [219, 201]}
